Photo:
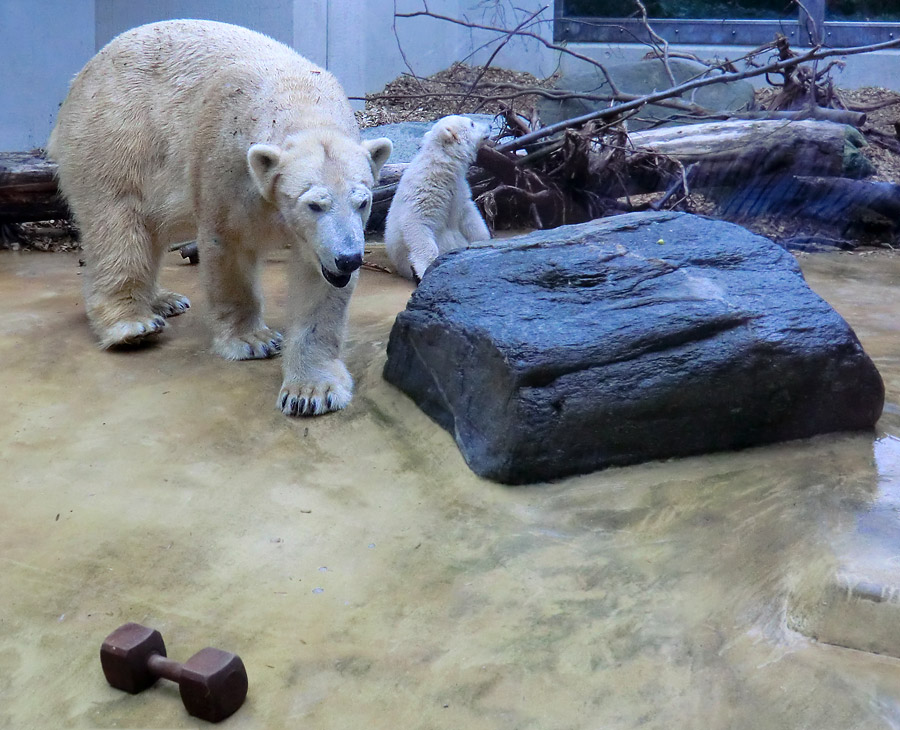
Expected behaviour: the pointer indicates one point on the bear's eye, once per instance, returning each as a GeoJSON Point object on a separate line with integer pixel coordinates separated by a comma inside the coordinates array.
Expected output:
{"type": "Point", "coordinates": [315, 207]}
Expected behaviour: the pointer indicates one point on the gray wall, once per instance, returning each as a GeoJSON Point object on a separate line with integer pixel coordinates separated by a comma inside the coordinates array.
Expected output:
{"type": "Point", "coordinates": [272, 17]}
{"type": "Point", "coordinates": [354, 39]}
{"type": "Point", "coordinates": [43, 44]}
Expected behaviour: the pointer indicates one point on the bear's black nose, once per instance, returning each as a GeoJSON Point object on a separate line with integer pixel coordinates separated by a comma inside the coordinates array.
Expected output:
{"type": "Point", "coordinates": [348, 264]}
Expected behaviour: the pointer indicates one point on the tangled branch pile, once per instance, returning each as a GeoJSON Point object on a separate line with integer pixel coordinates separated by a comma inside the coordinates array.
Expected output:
{"type": "Point", "coordinates": [591, 165]}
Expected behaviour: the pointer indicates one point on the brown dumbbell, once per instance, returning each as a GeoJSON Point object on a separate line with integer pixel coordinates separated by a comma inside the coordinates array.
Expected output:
{"type": "Point", "coordinates": [213, 682]}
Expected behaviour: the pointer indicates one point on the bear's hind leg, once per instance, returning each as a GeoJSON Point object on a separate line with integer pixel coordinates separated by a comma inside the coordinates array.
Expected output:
{"type": "Point", "coordinates": [120, 282]}
{"type": "Point", "coordinates": [231, 270]}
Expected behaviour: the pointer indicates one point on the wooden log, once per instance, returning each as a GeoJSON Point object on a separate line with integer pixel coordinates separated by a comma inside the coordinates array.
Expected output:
{"type": "Point", "coordinates": [736, 152]}
{"type": "Point", "coordinates": [723, 154]}
{"type": "Point", "coordinates": [720, 155]}
{"type": "Point", "coordinates": [833, 201]}
{"type": "Point", "coordinates": [840, 116]}
{"type": "Point", "coordinates": [390, 174]}
{"type": "Point", "coordinates": [28, 188]}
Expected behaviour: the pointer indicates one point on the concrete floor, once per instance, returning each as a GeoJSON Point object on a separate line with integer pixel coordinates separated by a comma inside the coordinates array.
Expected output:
{"type": "Point", "coordinates": [369, 580]}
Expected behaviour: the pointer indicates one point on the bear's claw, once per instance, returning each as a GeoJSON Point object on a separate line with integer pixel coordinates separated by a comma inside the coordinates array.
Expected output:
{"type": "Point", "coordinates": [313, 400]}
{"type": "Point", "coordinates": [170, 304]}
{"type": "Point", "coordinates": [136, 332]}
{"type": "Point", "coordinates": [255, 346]}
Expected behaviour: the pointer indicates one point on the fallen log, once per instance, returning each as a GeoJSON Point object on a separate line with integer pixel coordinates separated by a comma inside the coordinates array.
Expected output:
{"type": "Point", "coordinates": [736, 152]}
{"type": "Point", "coordinates": [825, 114]}
{"type": "Point", "coordinates": [730, 153]}
{"type": "Point", "coordinates": [390, 174]}
{"type": "Point", "coordinates": [588, 178]}
{"type": "Point", "coordinates": [835, 202]}
{"type": "Point", "coordinates": [28, 188]}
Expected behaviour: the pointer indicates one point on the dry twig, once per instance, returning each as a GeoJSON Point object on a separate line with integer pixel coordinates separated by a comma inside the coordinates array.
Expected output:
{"type": "Point", "coordinates": [816, 53]}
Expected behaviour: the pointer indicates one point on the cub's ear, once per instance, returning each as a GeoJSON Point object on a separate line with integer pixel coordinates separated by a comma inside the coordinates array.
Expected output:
{"type": "Point", "coordinates": [449, 136]}
{"type": "Point", "coordinates": [379, 150]}
{"type": "Point", "coordinates": [263, 159]}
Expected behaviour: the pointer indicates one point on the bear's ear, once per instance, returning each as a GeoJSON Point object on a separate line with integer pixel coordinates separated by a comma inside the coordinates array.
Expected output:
{"type": "Point", "coordinates": [379, 150]}
{"type": "Point", "coordinates": [263, 161]}
{"type": "Point", "coordinates": [449, 136]}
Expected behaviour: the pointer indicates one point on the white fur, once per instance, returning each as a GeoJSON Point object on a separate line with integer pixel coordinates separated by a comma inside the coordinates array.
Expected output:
{"type": "Point", "coordinates": [194, 128]}
{"type": "Point", "coordinates": [432, 211]}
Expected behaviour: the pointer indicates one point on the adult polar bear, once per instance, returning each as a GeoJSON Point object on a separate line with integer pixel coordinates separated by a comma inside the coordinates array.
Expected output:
{"type": "Point", "coordinates": [191, 127]}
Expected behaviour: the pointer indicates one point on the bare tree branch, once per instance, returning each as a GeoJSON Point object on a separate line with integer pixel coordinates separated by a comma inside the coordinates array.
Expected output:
{"type": "Point", "coordinates": [524, 34]}
{"type": "Point", "coordinates": [775, 67]}
{"type": "Point", "coordinates": [400, 46]}
{"type": "Point", "coordinates": [497, 50]}
{"type": "Point", "coordinates": [660, 45]}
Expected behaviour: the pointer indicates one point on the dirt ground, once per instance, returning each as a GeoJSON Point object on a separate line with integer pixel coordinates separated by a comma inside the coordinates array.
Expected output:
{"type": "Point", "coordinates": [449, 92]}
{"type": "Point", "coordinates": [410, 99]}
{"type": "Point", "coordinates": [368, 579]}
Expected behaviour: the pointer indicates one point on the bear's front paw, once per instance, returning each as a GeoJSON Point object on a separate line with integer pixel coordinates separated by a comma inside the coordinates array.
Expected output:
{"type": "Point", "coordinates": [170, 304]}
{"type": "Point", "coordinates": [254, 346]}
{"type": "Point", "coordinates": [131, 333]}
{"type": "Point", "coordinates": [327, 392]}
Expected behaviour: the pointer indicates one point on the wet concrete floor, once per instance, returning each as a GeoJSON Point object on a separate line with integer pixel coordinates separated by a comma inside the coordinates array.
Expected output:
{"type": "Point", "coordinates": [369, 580]}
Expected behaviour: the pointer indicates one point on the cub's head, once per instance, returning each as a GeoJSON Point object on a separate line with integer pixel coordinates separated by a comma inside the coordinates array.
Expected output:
{"type": "Point", "coordinates": [321, 183]}
{"type": "Point", "coordinates": [457, 136]}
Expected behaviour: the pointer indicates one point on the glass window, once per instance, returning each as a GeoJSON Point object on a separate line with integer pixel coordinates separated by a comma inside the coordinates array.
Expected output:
{"type": "Point", "coordinates": [859, 10]}
{"type": "Point", "coordinates": [838, 23]}
{"type": "Point", "coordinates": [724, 9]}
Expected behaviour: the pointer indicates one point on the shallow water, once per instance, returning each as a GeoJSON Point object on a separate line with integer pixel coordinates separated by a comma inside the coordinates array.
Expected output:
{"type": "Point", "coordinates": [368, 579]}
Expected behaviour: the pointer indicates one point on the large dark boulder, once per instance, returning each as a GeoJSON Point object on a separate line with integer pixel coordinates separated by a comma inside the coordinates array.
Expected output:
{"type": "Point", "coordinates": [642, 336]}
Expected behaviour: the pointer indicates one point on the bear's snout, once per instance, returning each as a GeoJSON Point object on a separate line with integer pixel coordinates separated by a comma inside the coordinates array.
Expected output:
{"type": "Point", "coordinates": [347, 264]}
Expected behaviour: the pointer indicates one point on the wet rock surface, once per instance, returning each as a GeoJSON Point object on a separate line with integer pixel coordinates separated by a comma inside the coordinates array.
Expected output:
{"type": "Point", "coordinates": [631, 338]}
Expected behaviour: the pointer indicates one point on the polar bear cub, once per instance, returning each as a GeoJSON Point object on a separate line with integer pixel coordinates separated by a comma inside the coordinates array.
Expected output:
{"type": "Point", "coordinates": [432, 211]}
{"type": "Point", "coordinates": [191, 128]}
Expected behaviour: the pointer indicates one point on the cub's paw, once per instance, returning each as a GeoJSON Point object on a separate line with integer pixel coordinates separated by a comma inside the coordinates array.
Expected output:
{"type": "Point", "coordinates": [130, 333]}
{"type": "Point", "coordinates": [170, 304]}
{"type": "Point", "coordinates": [254, 346]}
{"type": "Point", "coordinates": [328, 392]}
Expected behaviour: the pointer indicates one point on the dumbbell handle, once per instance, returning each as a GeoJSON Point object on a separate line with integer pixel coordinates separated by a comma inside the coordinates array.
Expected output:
{"type": "Point", "coordinates": [164, 667]}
